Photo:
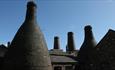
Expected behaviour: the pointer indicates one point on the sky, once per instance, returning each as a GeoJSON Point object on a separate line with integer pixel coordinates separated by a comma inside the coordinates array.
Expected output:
{"type": "Point", "coordinates": [58, 17]}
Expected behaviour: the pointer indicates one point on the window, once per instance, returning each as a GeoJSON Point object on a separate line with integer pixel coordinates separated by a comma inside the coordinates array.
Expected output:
{"type": "Point", "coordinates": [68, 68]}
{"type": "Point", "coordinates": [57, 68]}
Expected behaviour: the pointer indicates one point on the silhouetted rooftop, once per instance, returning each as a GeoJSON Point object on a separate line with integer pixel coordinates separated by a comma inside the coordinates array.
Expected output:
{"type": "Point", "coordinates": [62, 59]}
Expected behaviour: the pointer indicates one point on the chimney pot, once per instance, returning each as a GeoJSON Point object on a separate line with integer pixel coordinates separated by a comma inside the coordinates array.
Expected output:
{"type": "Point", "coordinates": [88, 27]}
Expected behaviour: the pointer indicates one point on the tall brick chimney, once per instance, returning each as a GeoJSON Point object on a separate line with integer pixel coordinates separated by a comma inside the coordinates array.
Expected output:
{"type": "Point", "coordinates": [70, 42]}
{"type": "Point", "coordinates": [56, 42]}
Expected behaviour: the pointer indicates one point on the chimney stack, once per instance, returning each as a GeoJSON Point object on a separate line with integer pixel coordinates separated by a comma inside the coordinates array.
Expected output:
{"type": "Point", "coordinates": [31, 11]}
{"type": "Point", "coordinates": [56, 42]}
{"type": "Point", "coordinates": [70, 42]}
{"type": "Point", "coordinates": [88, 33]}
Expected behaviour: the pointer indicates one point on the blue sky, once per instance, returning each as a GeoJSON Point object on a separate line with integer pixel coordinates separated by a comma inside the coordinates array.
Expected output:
{"type": "Point", "coordinates": [57, 17]}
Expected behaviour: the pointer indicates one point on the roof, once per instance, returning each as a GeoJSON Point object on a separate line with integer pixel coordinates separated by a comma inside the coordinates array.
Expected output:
{"type": "Point", "coordinates": [108, 41]}
{"type": "Point", "coordinates": [57, 52]}
{"type": "Point", "coordinates": [62, 59]}
{"type": "Point", "coordinates": [106, 49]}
